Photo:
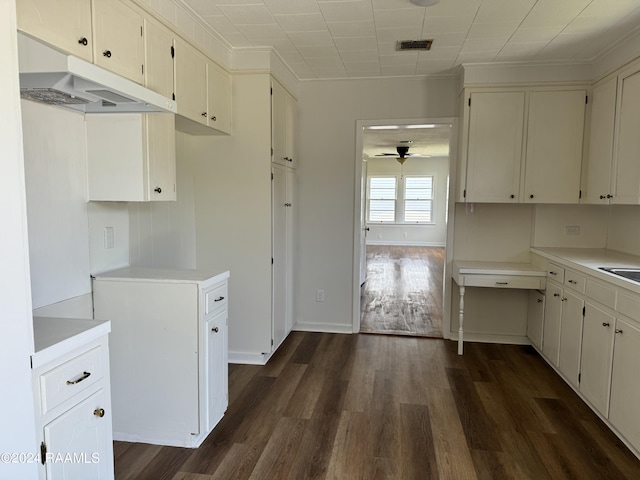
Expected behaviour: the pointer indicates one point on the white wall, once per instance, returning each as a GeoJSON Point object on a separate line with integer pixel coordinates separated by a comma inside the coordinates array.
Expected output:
{"type": "Point", "coordinates": [624, 229]}
{"type": "Point", "coordinates": [413, 234]}
{"type": "Point", "coordinates": [16, 336]}
{"type": "Point", "coordinates": [328, 111]}
{"type": "Point", "coordinates": [551, 222]}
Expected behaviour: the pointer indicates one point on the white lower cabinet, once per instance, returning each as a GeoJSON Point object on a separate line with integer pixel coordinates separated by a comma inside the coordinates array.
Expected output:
{"type": "Point", "coordinates": [570, 336]}
{"type": "Point", "coordinates": [624, 410]}
{"type": "Point", "coordinates": [595, 363]}
{"type": "Point", "coordinates": [72, 399]}
{"type": "Point", "coordinates": [535, 317]}
{"type": "Point", "coordinates": [552, 314]}
{"type": "Point", "coordinates": [169, 352]}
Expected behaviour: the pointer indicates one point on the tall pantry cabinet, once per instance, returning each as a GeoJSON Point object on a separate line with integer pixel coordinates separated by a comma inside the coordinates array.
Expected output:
{"type": "Point", "coordinates": [245, 215]}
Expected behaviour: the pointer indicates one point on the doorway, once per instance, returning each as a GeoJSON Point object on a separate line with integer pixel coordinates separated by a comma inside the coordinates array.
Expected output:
{"type": "Point", "coordinates": [402, 207]}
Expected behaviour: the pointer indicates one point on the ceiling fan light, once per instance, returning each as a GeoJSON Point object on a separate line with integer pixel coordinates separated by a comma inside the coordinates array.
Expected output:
{"type": "Point", "coordinates": [425, 3]}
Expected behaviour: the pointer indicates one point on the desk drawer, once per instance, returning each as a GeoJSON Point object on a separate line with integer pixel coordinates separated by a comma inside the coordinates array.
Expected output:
{"type": "Point", "coordinates": [505, 281]}
{"type": "Point", "coordinates": [72, 377]}
{"type": "Point", "coordinates": [215, 299]}
{"type": "Point", "coordinates": [555, 273]}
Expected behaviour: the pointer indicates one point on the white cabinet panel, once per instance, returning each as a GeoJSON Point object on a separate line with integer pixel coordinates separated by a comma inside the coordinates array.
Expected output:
{"type": "Point", "coordinates": [570, 336]}
{"type": "Point", "coordinates": [535, 318]}
{"type": "Point", "coordinates": [552, 314]}
{"type": "Point", "coordinates": [218, 98]}
{"type": "Point", "coordinates": [190, 82]}
{"type": "Point", "coordinates": [554, 146]}
{"type": "Point", "coordinates": [65, 24]}
{"type": "Point", "coordinates": [118, 44]}
{"type": "Point", "coordinates": [158, 58]}
{"type": "Point", "coordinates": [595, 364]}
{"type": "Point", "coordinates": [283, 125]}
{"type": "Point", "coordinates": [217, 368]}
{"type": "Point", "coordinates": [494, 155]}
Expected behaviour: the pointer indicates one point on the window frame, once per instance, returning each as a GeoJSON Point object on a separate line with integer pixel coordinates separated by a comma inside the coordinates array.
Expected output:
{"type": "Point", "coordinates": [395, 200]}
{"type": "Point", "coordinates": [400, 199]}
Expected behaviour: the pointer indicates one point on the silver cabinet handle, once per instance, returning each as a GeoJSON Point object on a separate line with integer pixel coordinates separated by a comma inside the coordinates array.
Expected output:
{"type": "Point", "coordinates": [618, 330]}
{"type": "Point", "coordinates": [502, 283]}
{"type": "Point", "coordinates": [573, 282]}
{"type": "Point", "coordinates": [78, 380]}
{"type": "Point", "coordinates": [99, 412]}
{"type": "Point", "coordinates": [605, 324]}
{"type": "Point", "coordinates": [553, 273]}
{"type": "Point", "coordinates": [219, 299]}
{"type": "Point", "coordinates": [563, 299]}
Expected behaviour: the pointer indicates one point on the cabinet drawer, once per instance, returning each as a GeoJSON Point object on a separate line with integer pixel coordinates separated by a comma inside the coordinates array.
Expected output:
{"type": "Point", "coordinates": [601, 293]}
{"type": "Point", "coordinates": [575, 280]}
{"type": "Point", "coordinates": [504, 281]}
{"type": "Point", "coordinates": [215, 299]}
{"type": "Point", "coordinates": [629, 306]}
{"type": "Point", "coordinates": [555, 273]}
{"type": "Point", "coordinates": [70, 378]}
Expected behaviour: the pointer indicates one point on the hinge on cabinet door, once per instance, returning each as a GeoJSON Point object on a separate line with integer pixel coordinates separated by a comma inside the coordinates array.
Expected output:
{"type": "Point", "coordinates": [271, 260]}
{"type": "Point", "coordinates": [272, 151]}
{"type": "Point", "coordinates": [272, 342]}
{"type": "Point", "coordinates": [583, 311]}
{"type": "Point", "coordinates": [579, 377]}
{"type": "Point", "coordinates": [464, 193]}
{"type": "Point", "coordinates": [586, 99]}
{"type": "Point", "coordinates": [142, 68]}
{"type": "Point", "coordinates": [272, 176]}
{"type": "Point", "coordinates": [469, 101]}
{"type": "Point", "coordinates": [271, 90]}
{"type": "Point", "coordinates": [580, 194]}
{"type": "Point", "coordinates": [173, 95]}
{"type": "Point", "coordinates": [173, 52]}
{"type": "Point", "coordinates": [43, 453]}
{"type": "Point", "coordinates": [141, 30]}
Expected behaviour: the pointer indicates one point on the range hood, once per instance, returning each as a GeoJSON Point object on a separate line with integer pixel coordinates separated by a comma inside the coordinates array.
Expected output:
{"type": "Point", "coordinates": [51, 77]}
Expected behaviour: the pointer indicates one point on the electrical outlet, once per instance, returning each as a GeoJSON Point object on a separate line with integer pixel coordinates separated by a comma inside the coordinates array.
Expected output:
{"type": "Point", "coordinates": [572, 230]}
{"type": "Point", "coordinates": [319, 295]}
{"type": "Point", "coordinates": [109, 240]}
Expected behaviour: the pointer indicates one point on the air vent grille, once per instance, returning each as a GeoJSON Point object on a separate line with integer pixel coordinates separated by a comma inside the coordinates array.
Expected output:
{"type": "Point", "coordinates": [414, 44]}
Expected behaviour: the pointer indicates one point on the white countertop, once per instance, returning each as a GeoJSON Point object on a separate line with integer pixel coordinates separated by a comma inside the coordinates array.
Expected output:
{"type": "Point", "coordinates": [498, 268]}
{"type": "Point", "coordinates": [589, 261]}
{"type": "Point", "coordinates": [163, 275]}
{"type": "Point", "coordinates": [54, 336]}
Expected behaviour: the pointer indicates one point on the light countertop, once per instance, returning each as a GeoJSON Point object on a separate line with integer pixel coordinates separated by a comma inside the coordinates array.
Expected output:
{"type": "Point", "coordinates": [163, 275]}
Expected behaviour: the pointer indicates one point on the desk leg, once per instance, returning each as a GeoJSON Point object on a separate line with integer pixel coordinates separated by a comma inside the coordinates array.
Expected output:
{"type": "Point", "coordinates": [461, 321]}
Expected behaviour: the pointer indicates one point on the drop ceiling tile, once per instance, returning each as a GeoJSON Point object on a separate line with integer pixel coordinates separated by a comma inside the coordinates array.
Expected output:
{"type": "Point", "coordinates": [483, 44]}
{"type": "Point", "coordinates": [405, 18]}
{"type": "Point", "coordinates": [330, 72]}
{"type": "Point", "coordinates": [547, 13]}
{"type": "Point", "coordinates": [564, 46]}
{"type": "Point", "coordinates": [446, 39]}
{"type": "Point", "coordinates": [540, 34]}
{"type": "Point", "coordinates": [423, 61]}
{"type": "Point", "coordinates": [347, 11]}
{"type": "Point", "coordinates": [285, 47]}
{"type": "Point", "coordinates": [352, 29]}
{"type": "Point", "coordinates": [394, 5]}
{"type": "Point", "coordinates": [237, 40]}
{"type": "Point", "coordinates": [492, 11]}
{"type": "Point", "coordinates": [309, 52]}
{"type": "Point", "coordinates": [358, 69]}
{"type": "Point", "coordinates": [291, 6]}
{"type": "Point", "coordinates": [303, 71]}
{"type": "Point", "coordinates": [433, 69]}
{"type": "Point", "coordinates": [452, 8]}
{"type": "Point", "coordinates": [492, 30]}
{"type": "Point", "coordinates": [587, 24]}
{"type": "Point", "coordinates": [311, 39]}
{"type": "Point", "coordinates": [387, 48]}
{"type": "Point", "coordinates": [304, 22]}
{"type": "Point", "coordinates": [607, 8]}
{"type": "Point", "coordinates": [203, 7]}
{"type": "Point", "coordinates": [356, 43]}
{"type": "Point", "coordinates": [324, 62]}
{"type": "Point", "coordinates": [247, 14]}
{"type": "Point", "coordinates": [397, 70]}
{"type": "Point", "coordinates": [441, 53]}
{"type": "Point", "coordinates": [396, 34]}
{"type": "Point", "coordinates": [360, 56]}
{"type": "Point", "coordinates": [475, 57]}
{"type": "Point", "coordinates": [433, 25]}
{"type": "Point", "coordinates": [520, 51]}
{"type": "Point", "coordinates": [235, 2]}
{"type": "Point", "coordinates": [263, 34]}
{"type": "Point", "coordinates": [400, 58]}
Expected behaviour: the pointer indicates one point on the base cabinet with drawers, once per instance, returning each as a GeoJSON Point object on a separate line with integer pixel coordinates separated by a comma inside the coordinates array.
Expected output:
{"type": "Point", "coordinates": [169, 352]}
{"type": "Point", "coordinates": [72, 399]}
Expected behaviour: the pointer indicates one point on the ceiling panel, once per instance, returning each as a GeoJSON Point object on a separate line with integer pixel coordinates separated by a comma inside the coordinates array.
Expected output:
{"type": "Point", "coordinates": [360, 36]}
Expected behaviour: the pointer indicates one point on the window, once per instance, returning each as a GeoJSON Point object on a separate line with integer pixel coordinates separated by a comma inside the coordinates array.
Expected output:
{"type": "Point", "coordinates": [382, 199]}
{"type": "Point", "coordinates": [400, 200]}
{"type": "Point", "coordinates": [418, 197]}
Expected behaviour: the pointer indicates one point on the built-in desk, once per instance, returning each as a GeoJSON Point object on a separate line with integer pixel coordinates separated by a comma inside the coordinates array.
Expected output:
{"type": "Point", "coordinates": [494, 275]}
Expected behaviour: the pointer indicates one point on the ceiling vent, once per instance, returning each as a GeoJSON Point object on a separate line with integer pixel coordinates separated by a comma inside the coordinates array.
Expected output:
{"type": "Point", "coordinates": [414, 45]}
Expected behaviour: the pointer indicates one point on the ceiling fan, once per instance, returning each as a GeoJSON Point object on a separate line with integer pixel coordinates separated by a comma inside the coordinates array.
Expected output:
{"type": "Point", "coordinates": [402, 154]}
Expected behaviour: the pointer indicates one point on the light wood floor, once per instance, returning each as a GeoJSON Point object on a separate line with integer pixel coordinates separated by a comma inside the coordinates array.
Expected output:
{"type": "Point", "coordinates": [331, 406]}
{"type": "Point", "coordinates": [402, 294]}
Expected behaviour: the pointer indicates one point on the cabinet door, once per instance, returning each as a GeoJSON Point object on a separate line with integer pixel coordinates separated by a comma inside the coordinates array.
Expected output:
{"type": "Point", "coordinates": [279, 246]}
{"type": "Point", "coordinates": [624, 410]}
{"type": "Point", "coordinates": [599, 161]}
{"type": "Point", "coordinates": [218, 98]}
{"type": "Point", "coordinates": [554, 146]}
{"type": "Point", "coordinates": [158, 60]}
{"type": "Point", "coordinates": [83, 433]}
{"type": "Point", "coordinates": [65, 24]}
{"type": "Point", "coordinates": [551, 331]}
{"type": "Point", "coordinates": [190, 82]}
{"type": "Point", "coordinates": [495, 146]}
{"type": "Point", "coordinates": [290, 192]}
{"type": "Point", "coordinates": [217, 368]}
{"type": "Point", "coordinates": [570, 336]}
{"type": "Point", "coordinates": [535, 318]}
{"type": "Point", "coordinates": [161, 157]}
{"type": "Point", "coordinates": [117, 33]}
{"type": "Point", "coordinates": [597, 349]}
{"type": "Point", "coordinates": [279, 124]}
{"type": "Point", "coordinates": [627, 157]}
{"type": "Point", "coordinates": [291, 119]}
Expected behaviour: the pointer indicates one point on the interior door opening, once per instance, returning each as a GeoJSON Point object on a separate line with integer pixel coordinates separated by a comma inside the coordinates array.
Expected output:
{"type": "Point", "coordinates": [403, 211]}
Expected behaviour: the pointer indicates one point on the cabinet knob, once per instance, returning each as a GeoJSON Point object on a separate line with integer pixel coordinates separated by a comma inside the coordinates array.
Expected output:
{"type": "Point", "coordinates": [573, 282]}
{"type": "Point", "coordinates": [286, 159]}
{"type": "Point", "coordinates": [107, 53]}
{"type": "Point", "coordinates": [215, 329]}
{"type": "Point", "coordinates": [539, 300]}
{"type": "Point", "coordinates": [553, 273]}
{"type": "Point", "coordinates": [219, 299]}
{"type": "Point", "coordinates": [618, 330]}
{"type": "Point", "coordinates": [287, 204]}
{"type": "Point", "coordinates": [602, 197]}
{"type": "Point", "coordinates": [556, 294]}
{"type": "Point", "coordinates": [204, 114]}
{"type": "Point", "coordinates": [214, 118]}
{"type": "Point", "coordinates": [157, 190]}
{"type": "Point", "coordinates": [531, 196]}
{"type": "Point", "coordinates": [563, 299]}
{"type": "Point", "coordinates": [513, 196]}
{"type": "Point", "coordinates": [605, 324]}
{"type": "Point", "coordinates": [99, 412]}
{"type": "Point", "coordinates": [609, 196]}
{"type": "Point", "coordinates": [83, 41]}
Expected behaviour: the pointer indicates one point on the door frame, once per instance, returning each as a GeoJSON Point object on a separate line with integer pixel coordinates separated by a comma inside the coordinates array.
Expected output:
{"type": "Point", "coordinates": [357, 228]}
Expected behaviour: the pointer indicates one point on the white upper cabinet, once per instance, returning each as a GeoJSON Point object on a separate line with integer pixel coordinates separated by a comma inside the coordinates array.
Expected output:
{"type": "Point", "coordinates": [496, 121]}
{"type": "Point", "coordinates": [158, 58]}
{"type": "Point", "coordinates": [190, 82]}
{"type": "Point", "coordinates": [283, 126]}
{"type": "Point", "coordinates": [131, 157]}
{"type": "Point", "coordinates": [554, 146]}
{"type": "Point", "coordinates": [64, 24]}
{"type": "Point", "coordinates": [118, 44]}
{"type": "Point", "coordinates": [597, 187]}
{"type": "Point", "coordinates": [218, 98]}
{"type": "Point", "coordinates": [626, 170]}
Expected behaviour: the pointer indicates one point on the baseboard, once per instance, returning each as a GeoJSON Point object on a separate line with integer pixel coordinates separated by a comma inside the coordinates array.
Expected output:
{"type": "Point", "coordinates": [492, 338]}
{"type": "Point", "coordinates": [323, 327]}
{"type": "Point", "coordinates": [404, 243]}
{"type": "Point", "coordinates": [171, 439]}
{"type": "Point", "coordinates": [244, 358]}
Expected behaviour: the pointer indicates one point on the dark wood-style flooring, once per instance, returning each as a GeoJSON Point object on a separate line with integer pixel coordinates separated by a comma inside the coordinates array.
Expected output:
{"type": "Point", "coordinates": [332, 406]}
{"type": "Point", "coordinates": [402, 294]}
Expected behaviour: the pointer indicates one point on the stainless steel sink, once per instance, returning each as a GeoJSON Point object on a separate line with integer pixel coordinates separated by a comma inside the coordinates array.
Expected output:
{"type": "Point", "coordinates": [628, 273]}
